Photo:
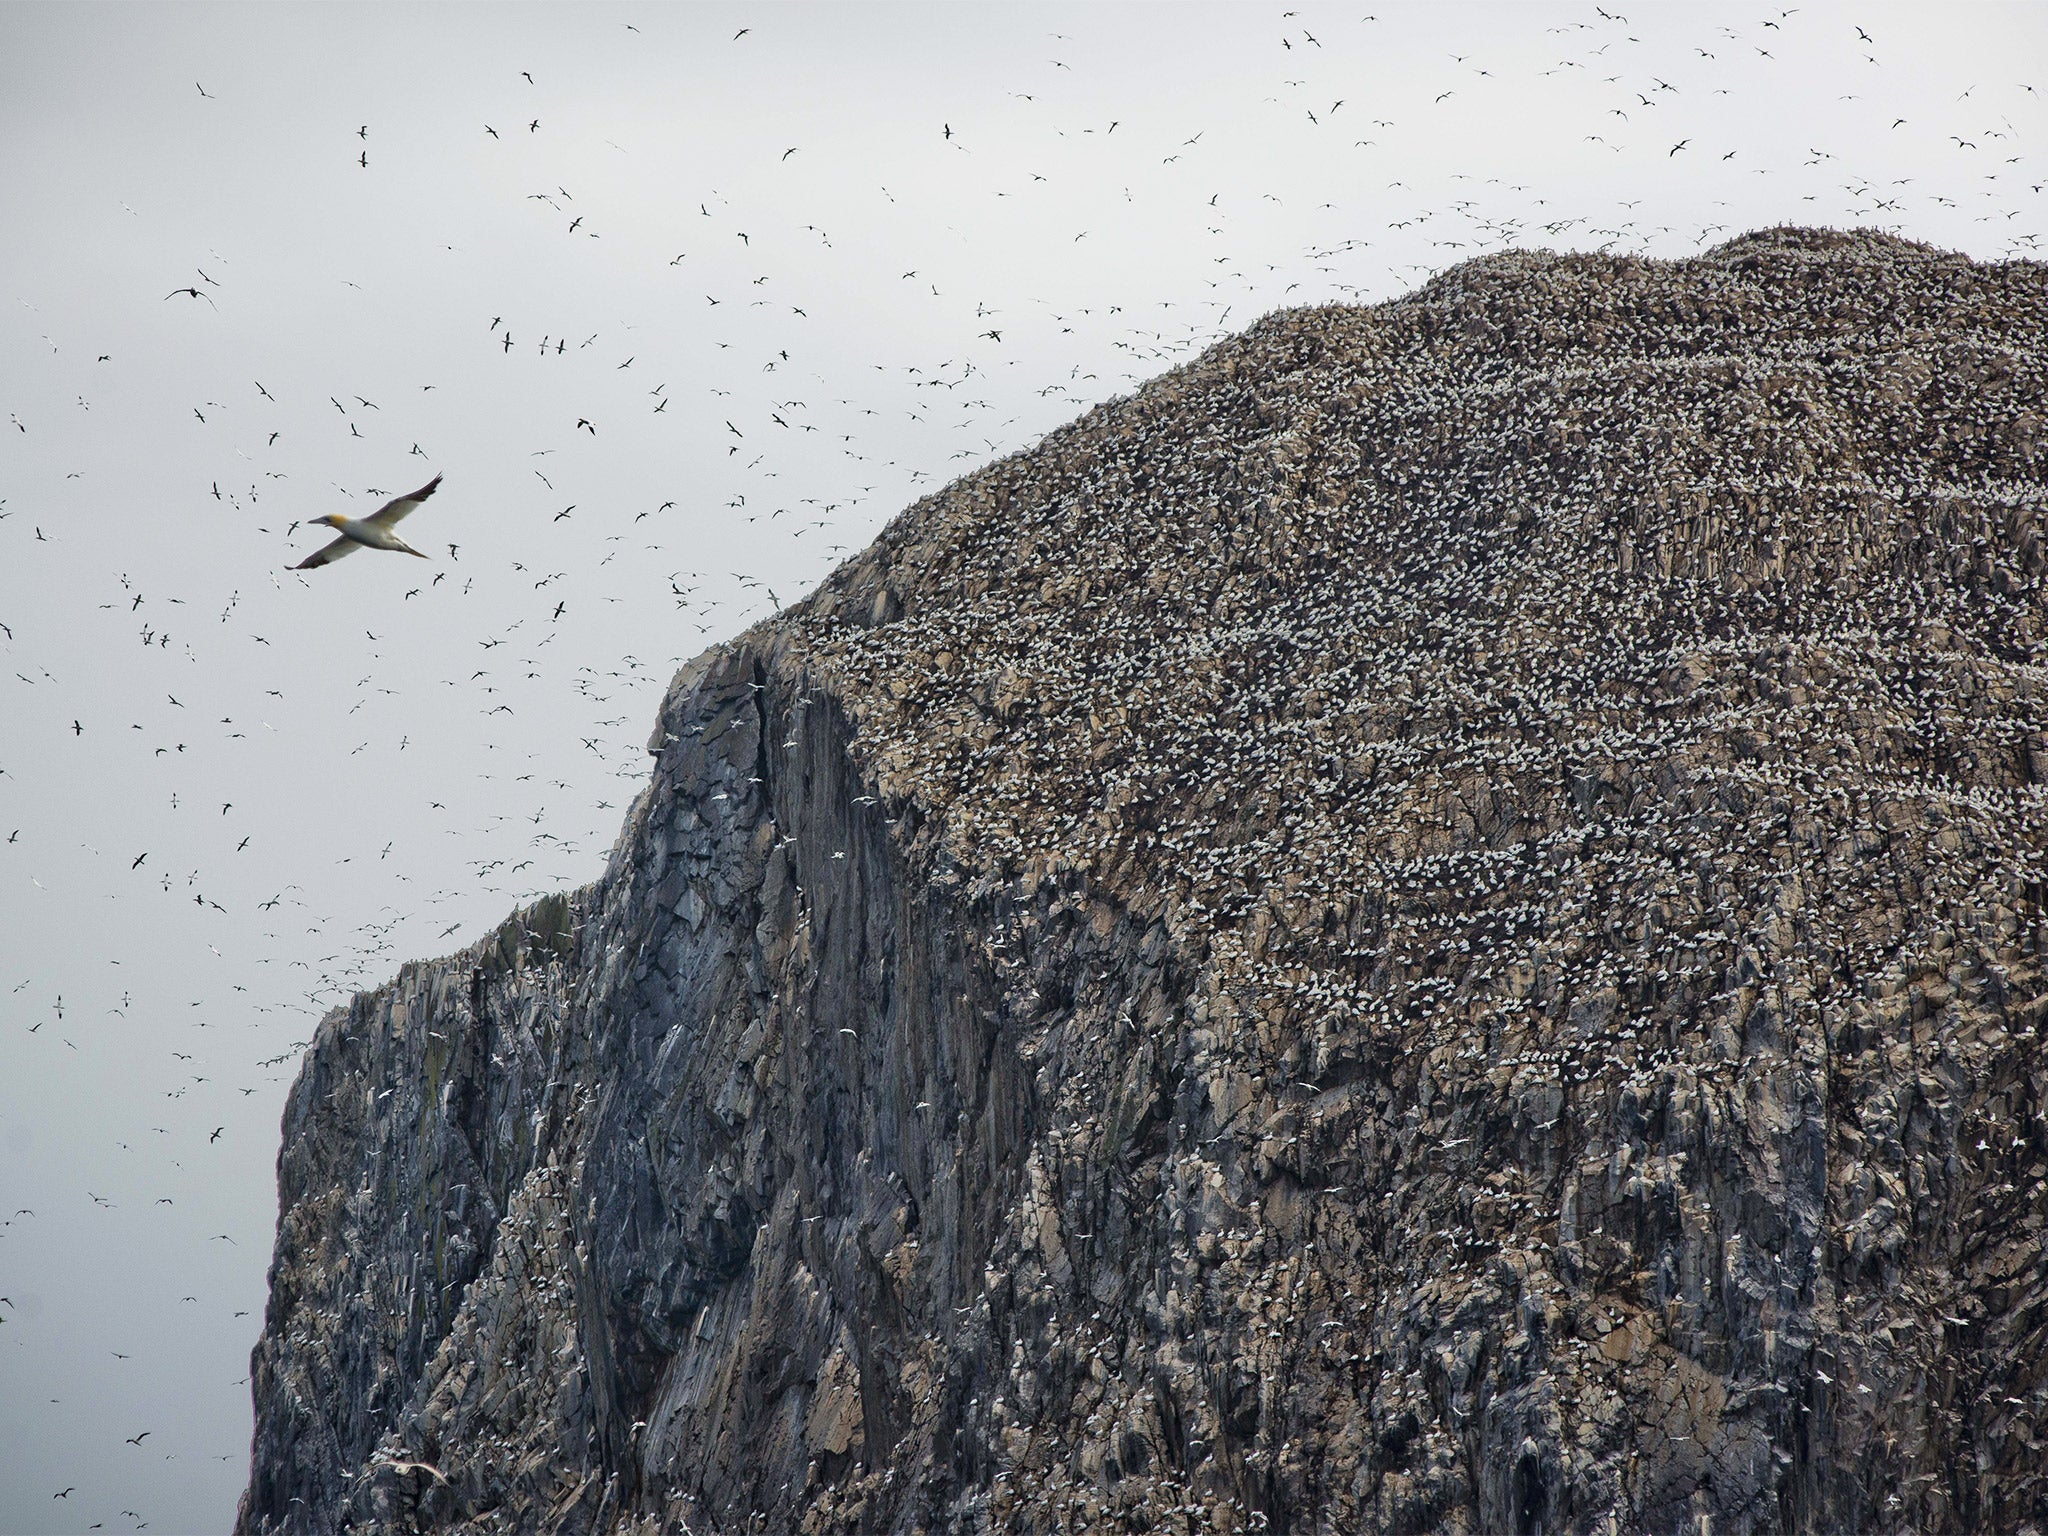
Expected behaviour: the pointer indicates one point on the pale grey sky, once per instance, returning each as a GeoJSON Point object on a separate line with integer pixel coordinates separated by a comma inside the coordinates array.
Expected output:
{"type": "Point", "coordinates": [791, 279]}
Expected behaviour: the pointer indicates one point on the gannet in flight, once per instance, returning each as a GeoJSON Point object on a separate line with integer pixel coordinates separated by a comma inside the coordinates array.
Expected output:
{"type": "Point", "coordinates": [374, 530]}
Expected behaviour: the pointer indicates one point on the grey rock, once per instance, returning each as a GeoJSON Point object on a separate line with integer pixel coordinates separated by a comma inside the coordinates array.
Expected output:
{"type": "Point", "coordinates": [1432, 924]}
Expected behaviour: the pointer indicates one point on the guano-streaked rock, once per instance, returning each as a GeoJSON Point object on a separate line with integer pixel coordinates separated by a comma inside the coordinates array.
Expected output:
{"type": "Point", "coordinates": [1433, 923]}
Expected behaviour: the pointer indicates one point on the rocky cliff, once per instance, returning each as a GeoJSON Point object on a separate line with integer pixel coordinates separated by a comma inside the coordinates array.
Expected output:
{"type": "Point", "coordinates": [1432, 924]}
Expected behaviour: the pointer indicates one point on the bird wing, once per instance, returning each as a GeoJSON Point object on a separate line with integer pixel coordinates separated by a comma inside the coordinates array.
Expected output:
{"type": "Point", "coordinates": [334, 551]}
{"type": "Point", "coordinates": [392, 511]}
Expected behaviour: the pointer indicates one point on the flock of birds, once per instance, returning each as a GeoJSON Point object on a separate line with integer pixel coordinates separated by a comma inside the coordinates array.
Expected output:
{"type": "Point", "coordinates": [1273, 797]}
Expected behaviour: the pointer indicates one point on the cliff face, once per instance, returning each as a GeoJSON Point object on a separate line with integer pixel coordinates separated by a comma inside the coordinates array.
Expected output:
{"type": "Point", "coordinates": [1434, 923]}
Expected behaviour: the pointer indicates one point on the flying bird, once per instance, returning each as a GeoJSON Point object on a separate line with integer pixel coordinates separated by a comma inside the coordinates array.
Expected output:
{"type": "Point", "coordinates": [421, 1466]}
{"type": "Point", "coordinates": [373, 531]}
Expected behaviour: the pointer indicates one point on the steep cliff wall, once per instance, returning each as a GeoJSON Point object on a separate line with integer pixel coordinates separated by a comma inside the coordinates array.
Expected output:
{"type": "Point", "coordinates": [1434, 923]}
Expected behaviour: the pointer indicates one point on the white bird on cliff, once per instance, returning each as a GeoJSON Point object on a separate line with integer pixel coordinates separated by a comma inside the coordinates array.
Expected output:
{"type": "Point", "coordinates": [373, 531]}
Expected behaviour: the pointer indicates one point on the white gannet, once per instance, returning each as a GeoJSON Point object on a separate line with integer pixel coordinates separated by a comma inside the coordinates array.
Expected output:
{"type": "Point", "coordinates": [374, 530]}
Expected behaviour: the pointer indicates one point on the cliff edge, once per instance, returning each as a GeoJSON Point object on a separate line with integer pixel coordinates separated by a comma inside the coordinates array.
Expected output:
{"type": "Point", "coordinates": [1433, 923]}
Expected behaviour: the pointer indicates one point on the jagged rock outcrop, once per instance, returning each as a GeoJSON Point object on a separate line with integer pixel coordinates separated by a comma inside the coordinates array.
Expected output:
{"type": "Point", "coordinates": [1432, 924]}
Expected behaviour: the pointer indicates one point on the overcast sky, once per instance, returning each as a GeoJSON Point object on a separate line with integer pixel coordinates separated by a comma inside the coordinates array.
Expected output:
{"type": "Point", "coordinates": [685, 303]}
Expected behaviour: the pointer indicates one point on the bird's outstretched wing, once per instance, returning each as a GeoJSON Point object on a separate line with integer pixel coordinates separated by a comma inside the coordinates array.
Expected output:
{"type": "Point", "coordinates": [334, 551]}
{"type": "Point", "coordinates": [412, 1466]}
{"type": "Point", "coordinates": [392, 511]}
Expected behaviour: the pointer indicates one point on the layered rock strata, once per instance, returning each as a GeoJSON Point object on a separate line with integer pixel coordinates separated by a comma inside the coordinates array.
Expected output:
{"type": "Point", "coordinates": [1433, 923]}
